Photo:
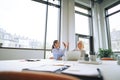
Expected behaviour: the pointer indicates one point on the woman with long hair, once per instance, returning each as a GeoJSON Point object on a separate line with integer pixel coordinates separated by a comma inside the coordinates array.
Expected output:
{"type": "Point", "coordinates": [58, 53]}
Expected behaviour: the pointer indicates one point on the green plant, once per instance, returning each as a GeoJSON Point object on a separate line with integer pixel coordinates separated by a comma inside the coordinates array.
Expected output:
{"type": "Point", "coordinates": [105, 53]}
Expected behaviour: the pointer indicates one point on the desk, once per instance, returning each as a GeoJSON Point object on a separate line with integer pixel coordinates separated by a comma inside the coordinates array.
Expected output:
{"type": "Point", "coordinates": [109, 69]}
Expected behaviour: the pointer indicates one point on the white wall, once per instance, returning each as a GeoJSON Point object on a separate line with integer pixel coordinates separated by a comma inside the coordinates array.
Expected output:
{"type": "Point", "coordinates": [68, 23]}
{"type": "Point", "coordinates": [11, 54]}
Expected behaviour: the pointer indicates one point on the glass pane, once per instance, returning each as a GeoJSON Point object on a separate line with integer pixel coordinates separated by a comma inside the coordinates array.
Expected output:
{"type": "Point", "coordinates": [81, 24]}
{"type": "Point", "coordinates": [86, 44]}
{"type": "Point", "coordinates": [53, 26]}
{"type": "Point", "coordinates": [22, 23]}
{"type": "Point", "coordinates": [81, 10]}
{"type": "Point", "coordinates": [115, 31]}
{"type": "Point", "coordinates": [116, 8]}
{"type": "Point", "coordinates": [48, 55]}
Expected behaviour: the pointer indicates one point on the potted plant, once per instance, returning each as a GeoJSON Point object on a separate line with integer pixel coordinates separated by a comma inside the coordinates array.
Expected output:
{"type": "Point", "coordinates": [105, 54]}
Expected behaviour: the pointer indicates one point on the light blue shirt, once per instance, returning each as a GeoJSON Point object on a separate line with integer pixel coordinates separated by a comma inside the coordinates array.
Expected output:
{"type": "Point", "coordinates": [57, 53]}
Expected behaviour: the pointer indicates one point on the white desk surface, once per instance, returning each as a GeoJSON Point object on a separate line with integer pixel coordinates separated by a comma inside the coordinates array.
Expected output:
{"type": "Point", "coordinates": [109, 69]}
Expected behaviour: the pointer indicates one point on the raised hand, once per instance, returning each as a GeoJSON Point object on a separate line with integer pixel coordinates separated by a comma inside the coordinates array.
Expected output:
{"type": "Point", "coordinates": [66, 45]}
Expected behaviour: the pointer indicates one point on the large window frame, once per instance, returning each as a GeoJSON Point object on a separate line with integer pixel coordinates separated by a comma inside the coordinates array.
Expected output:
{"type": "Point", "coordinates": [45, 49]}
{"type": "Point", "coordinates": [107, 15]}
{"type": "Point", "coordinates": [90, 35]}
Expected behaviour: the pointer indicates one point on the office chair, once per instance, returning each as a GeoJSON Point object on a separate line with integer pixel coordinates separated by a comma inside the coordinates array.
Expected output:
{"type": "Point", "coordinates": [29, 75]}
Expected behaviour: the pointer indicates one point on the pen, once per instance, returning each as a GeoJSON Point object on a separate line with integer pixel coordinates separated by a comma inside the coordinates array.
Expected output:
{"type": "Point", "coordinates": [100, 75]}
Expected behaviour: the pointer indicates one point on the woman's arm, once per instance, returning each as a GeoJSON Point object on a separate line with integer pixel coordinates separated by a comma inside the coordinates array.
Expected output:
{"type": "Point", "coordinates": [57, 53]}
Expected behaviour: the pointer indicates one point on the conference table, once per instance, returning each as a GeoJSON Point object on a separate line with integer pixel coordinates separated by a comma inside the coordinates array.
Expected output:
{"type": "Point", "coordinates": [109, 69]}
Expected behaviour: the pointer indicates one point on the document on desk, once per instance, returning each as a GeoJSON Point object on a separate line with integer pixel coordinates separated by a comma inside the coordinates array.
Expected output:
{"type": "Point", "coordinates": [81, 71]}
{"type": "Point", "coordinates": [49, 68]}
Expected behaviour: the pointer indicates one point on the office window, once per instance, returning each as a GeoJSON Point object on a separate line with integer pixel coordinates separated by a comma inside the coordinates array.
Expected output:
{"type": "Point", "coordinates": [52, 26]}
{"type": "Point", "coordinates": [28, 23]}
{"type": "Point", "coordinates": [77, 8]}
{"type": "Point", "coordinates": [113, 26]}
{"type": "Point", "coordinates": [83, 25]}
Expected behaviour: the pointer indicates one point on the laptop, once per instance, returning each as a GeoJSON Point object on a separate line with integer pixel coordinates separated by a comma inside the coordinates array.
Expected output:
{"type": "Point", "coordinates": [72, 55]}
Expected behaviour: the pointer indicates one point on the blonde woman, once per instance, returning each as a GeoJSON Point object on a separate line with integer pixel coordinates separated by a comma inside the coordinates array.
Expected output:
{"type": "Point", "coordinates": [80, 47]}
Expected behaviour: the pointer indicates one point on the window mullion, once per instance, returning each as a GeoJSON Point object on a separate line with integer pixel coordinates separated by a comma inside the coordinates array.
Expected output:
{"type": "Point", "coordinates": [45, 30]}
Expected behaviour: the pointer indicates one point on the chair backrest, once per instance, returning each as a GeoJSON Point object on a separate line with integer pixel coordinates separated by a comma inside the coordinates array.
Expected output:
{"type": "Point", "coordinates": [72, 55]}
{"type": "Point", "coordinates": [34, 76]}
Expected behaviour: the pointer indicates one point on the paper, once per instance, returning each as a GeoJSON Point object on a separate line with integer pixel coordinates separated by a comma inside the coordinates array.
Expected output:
{"type": "Point", "coordinates": [50, 68]}
{"type": "Point", "coordinates": [81, 71]}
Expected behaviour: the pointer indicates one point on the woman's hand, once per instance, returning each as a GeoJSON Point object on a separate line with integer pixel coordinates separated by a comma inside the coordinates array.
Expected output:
{"type": "Point", "coordinates": [66, 45]}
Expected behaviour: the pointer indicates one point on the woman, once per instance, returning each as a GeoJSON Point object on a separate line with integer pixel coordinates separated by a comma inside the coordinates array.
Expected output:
{"type": "Point", "coordinates": [57, 52]}
{"type": "Point", "coordinates": [80, 47]}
